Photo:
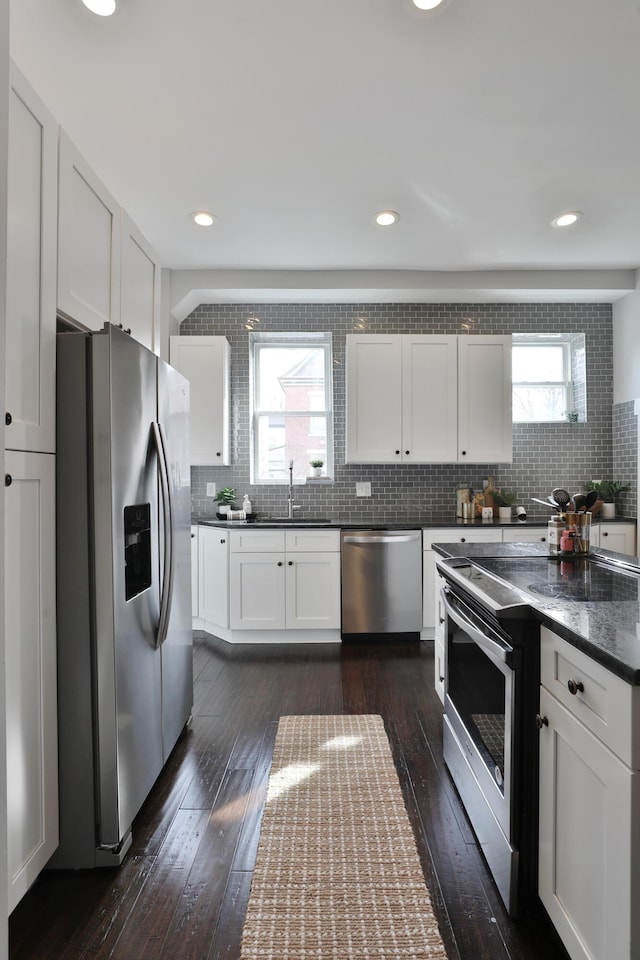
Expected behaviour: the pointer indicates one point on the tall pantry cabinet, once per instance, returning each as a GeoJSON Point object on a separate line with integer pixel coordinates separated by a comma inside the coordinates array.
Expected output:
{"type": "Point", "coordinates": [32, 768]}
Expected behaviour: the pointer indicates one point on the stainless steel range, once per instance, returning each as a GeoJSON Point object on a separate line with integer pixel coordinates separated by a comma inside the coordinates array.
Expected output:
{"type": "Point", "coordinates": [489, 733]}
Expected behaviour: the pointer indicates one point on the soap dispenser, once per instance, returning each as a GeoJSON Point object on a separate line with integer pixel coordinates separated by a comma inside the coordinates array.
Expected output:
{"type": "Point", "coordinates": [246, 504]}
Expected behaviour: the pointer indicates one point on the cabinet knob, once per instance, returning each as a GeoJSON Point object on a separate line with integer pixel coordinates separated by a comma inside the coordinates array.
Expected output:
{"type": "Point", "coordinates": [218, 453]}
{"type": "Point", "coordinates": [8, 479]}
{"type": "Point", "coordinates": [398, 452]}
{"type": "Point", "coordinates": [223, 541]}
{"type": "Point", "coordinates": [290, 563]}
{"type": "Point", "coordinates": [193, 536]}
{"type": "Point", "coordinates": [441, 679]}
{"type": "Point", "coordinates": [407, 452]}
{"type": "Point", "coordinates": [463, 453]}
{"type": "Point", "coordinates": [575, 685]}
{"type": "Point", "coordinates": [604, 533]}
{"type": "Point", "coordinates": [8, 418]}
{"type": "Point", "coordinates": [463, 539]}
{"type": "Point", "coordinates": [279, 563]}
{"type": "Point", "coordinates": [441, 619]}
{"type": "Point", "coordinates": [541, 722]}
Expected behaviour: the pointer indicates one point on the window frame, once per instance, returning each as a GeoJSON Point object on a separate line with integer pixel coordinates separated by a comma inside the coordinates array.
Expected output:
{"type": "Point", "coordinates": [264, 341]}
{"type": "Point", "coordinates": [537, 341]}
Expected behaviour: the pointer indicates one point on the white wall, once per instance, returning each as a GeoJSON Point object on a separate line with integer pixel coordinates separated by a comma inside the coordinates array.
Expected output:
{"type": "Point", "coordinates": [626, 346]}
{"type": "Point", "coordinates": [4, 124]}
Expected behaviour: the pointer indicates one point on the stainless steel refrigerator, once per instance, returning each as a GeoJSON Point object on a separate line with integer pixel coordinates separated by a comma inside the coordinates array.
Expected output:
{"type": "Point", "coordinates": [125, 683]}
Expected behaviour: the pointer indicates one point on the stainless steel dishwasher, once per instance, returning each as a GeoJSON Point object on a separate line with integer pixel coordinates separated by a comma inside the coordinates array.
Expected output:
{"type": "Point", "coordinates": [381, 582]}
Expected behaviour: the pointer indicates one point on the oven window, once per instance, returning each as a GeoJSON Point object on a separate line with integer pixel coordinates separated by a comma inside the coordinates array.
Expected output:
{"type": "Point", "coordinates": [477, 689]}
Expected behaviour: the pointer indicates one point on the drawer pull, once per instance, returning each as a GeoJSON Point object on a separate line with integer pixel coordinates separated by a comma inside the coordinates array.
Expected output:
{"type": "Point", "coordinates": [279, 563]}
{"type": "Point", "coordinates": [8, 479]}
{"type": "Point", "coordinates": [574, 686]}
{"type": "Point", "coordinates": [290, 562]}
{"type": "Point", "coordinates": [541, 722]}
{"type": "Point", "coordinates": [223, 541]}
{"type": "Point", "coordinates": [463, 539]}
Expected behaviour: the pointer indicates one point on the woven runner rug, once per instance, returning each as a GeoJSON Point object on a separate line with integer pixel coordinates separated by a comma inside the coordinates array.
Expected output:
{"type": "Point", "coordinates": [337, 873]}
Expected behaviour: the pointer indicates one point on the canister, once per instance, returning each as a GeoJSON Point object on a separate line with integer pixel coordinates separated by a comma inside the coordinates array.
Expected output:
{"type": "Point", "coordinates": [463, 496]}
{"type": "Point", "coordinates": [555, 528]}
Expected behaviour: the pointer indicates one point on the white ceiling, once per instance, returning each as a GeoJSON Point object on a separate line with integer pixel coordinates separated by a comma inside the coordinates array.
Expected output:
{"type": "Point", "coordinates": [293, 122]}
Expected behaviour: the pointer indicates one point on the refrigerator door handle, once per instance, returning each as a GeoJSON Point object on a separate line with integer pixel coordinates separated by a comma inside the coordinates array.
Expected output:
{"type": "Point", "coordinates": [168, 563]}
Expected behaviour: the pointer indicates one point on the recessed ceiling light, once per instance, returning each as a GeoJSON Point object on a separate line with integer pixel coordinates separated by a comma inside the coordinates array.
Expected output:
{"type": "Point", "coordinates": [426, 4]}
{"type": "Point", "coordinates": [202, 218]}
{"type": "Point", "coordinates": [384, 218]}
{"type": "Point", "coordinates": [566, 219]}
{"type": "Point", "coordinates": [104, 8]}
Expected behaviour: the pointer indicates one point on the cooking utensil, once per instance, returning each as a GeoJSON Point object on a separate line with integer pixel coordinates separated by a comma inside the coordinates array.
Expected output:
{"type": "Point", "coordinates": [590, 499]}
{"type": "Point", "coordinates": [545, 503]}
{"type": "Point", "coordinates": [579, 501]}
{"type": "Point", "coordinates": [561, 498]}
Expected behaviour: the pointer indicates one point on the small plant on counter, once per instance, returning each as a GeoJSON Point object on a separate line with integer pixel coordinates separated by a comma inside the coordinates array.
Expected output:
{"type": "Point", "coordinates": [226, 497]}
{"type": "Point", "coordinates": [505, 498]}
{"type": "Point", "coordinates": [608, 490]}
{"type": "Point", "coordinates": [316, 463]}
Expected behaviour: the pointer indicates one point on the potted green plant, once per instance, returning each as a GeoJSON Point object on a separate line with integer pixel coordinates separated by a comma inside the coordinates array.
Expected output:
{"type": "Point", "coordinates": [608, 492]}
{"type": "Point", "coordinates": [316, 466]}
{"type": "Point", "coordinates": [225, 499]}
{"type": "Point", "coordinates": [504, 500]}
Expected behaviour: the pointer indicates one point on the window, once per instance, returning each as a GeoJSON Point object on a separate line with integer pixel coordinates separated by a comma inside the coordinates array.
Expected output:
{"type": "Point", "coordinates": [548, 377]}
{"type": "Point", "coordinates": [292, 415]}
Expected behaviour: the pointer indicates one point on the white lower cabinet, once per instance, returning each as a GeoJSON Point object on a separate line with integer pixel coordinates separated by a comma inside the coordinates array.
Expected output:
{"type": "Point", "coordinates": [524, 535]}
{"type": "Point", "coordinates": [31, 681]}
{"type": "Point", "coordinates": [195, 606]}
{"type": "Point", "coordinates": [213, 577]}
{"type": "Point", "coordinates": [589, 849]}
{"type": "Point", "coordinates": [284, 580]}
{"type": "Point", "coordinates": [615, 536]}
{"type": "Point", "coordinates": [445, 535]}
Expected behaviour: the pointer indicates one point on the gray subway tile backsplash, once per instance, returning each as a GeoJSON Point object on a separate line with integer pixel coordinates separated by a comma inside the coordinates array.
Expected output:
{"type": "Point", "coordinates": [544, 455]}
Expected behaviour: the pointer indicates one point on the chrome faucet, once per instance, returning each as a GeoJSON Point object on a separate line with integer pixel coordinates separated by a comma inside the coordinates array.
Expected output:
{"type": "Point", "coordinates": [291, 506]}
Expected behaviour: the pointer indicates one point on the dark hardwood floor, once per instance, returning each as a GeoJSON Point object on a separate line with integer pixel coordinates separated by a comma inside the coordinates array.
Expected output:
{"type": "Point", "coordinates": [182, 889]}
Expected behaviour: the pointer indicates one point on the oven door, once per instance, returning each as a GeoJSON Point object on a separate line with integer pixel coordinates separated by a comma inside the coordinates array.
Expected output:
{"type": "Point", "coordinates": [479, 730]}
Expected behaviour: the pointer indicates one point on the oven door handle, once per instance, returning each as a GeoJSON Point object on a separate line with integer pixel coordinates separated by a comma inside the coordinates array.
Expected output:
{"type": "Point", "coordinates": [490, 646]}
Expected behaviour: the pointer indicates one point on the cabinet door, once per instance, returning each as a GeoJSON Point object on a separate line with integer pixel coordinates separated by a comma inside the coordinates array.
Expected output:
{"type": "Point", "coordinates": [139, 285]}
{"type": "Point", "coordinates": [374, 398]}
{"type": "Point", "coordinates": [429, 399]}
{"type": "Point", "coordinates": [257, 591]}
{"type": "Point", "coordinates": [524, 535]}
{"type": "Point", "coordinates": [313, 591]}
{"type": "Point", "coordinates": [213, 574]}
{"type": "Point", "coordinates": [205, 362]}
{"type": "Point", "coordinates": [30, 609]}
{"type": "Point", "coordinates": [484, 400]}
{"type": "Point", "coordinates": [30, 357]}
{"type": "Point", "coordinates": [194, 572]}
{"type": "Point", "coordinates": [617, 536]}
{"type": "Point", "coordinates": [588, 801]}
{"type": "Point", "coordinates": [88, 243]}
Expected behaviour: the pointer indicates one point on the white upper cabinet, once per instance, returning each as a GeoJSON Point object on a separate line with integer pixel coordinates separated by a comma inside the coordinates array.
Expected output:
{"type": "Point", "coordinates": [205, 362]}
{"type": "Point", "coordinates": [401, 399]}
{"type": "Point", "coordinates": [484, 400]}
{"type": "Point", "coordinates": [88, 243]}
{"type": "Point", "coordinates": [139, 286]}
{"type": "Point", "coordinates": [31, 271]}
{"type": "Point", "coordinates": [428, 399]}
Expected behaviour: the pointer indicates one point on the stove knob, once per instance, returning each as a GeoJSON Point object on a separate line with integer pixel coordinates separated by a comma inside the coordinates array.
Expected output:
{"type": "Point", "coordinates": [574, 686]}
{"type": "Point", "coordinates": [541, 722]}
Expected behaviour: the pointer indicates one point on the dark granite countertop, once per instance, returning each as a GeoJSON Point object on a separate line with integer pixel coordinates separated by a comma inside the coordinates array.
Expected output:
{"type": "Point", "coordinates": [414, 523]}
{"type": "Point", "coordinates": [607, 631]}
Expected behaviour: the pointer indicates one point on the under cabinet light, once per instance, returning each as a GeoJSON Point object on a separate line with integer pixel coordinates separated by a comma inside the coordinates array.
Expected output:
{"type": "Point", "coordinates": [103, 8]}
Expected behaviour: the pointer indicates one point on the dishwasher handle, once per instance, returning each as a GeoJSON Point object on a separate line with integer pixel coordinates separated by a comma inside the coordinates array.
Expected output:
{"type": "Point", "coordinates": [401, 538]}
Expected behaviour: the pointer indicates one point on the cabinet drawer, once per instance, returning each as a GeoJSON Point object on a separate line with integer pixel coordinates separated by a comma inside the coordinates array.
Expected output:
{"type": "Point", "coordinates": [312, 541]}
{"type": "Point", "coordinates": [256, 541]}
{"type": "Point", "coordinates": [460, 535]}
{"type": "Point", "coordinates": [605, 704]}
{"type": "Point", "coordinates": [524, 535]}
